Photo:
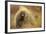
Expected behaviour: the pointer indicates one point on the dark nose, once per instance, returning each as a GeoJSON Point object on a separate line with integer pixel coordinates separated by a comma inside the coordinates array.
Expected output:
{"type": "Point", "coordinates": [22, 15]}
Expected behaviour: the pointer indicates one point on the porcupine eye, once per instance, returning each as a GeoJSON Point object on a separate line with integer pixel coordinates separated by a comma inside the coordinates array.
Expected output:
{"type": "Point", "coordinates": [20, 20]}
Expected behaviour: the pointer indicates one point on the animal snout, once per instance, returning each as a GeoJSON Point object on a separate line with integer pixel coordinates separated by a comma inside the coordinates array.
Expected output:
{"type": "Point", "coordinates": [20, 19]}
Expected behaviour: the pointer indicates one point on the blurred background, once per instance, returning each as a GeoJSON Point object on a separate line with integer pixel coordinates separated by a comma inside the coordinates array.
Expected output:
{"type": "Point", "coordinates": [32, 18]}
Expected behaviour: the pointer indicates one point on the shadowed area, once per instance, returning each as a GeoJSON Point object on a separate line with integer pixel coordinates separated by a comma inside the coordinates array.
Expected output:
{"type": "Point", "coordinates": [20, 20]}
